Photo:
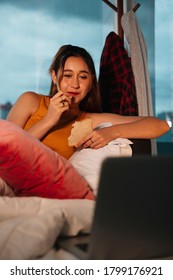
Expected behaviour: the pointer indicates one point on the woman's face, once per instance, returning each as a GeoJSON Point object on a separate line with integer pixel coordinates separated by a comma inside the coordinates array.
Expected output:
{"type": "Point", "coordinates": [77, 79]}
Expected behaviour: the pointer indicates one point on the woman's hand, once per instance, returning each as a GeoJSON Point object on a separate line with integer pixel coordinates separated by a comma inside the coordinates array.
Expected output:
{"type": "Point", "coordinates": [59, 104]}
{"type": "Point", "coordinates": [137, 127]}
{"type": "Point", "coordinates": [97, 139]}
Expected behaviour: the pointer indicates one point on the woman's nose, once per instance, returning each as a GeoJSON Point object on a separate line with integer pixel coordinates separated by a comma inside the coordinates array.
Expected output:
{"type": "Point", "coordinates": [75, 83]}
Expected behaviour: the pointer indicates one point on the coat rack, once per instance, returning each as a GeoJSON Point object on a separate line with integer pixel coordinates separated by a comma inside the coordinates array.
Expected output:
{"type": "Point", "coordinates": [119, 10]}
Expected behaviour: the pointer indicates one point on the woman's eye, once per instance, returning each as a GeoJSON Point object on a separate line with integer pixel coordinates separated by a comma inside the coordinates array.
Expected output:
{"type": "Point", "coordinates": [67, 75]}
{"type": "Point", "coordinates": [83, 77]}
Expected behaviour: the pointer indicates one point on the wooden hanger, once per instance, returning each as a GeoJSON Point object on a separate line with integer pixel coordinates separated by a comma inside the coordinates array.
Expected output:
{"type": "Point", "coordinates": [119, 11]}
{"type": "Point", "coordinates": [111, 5]}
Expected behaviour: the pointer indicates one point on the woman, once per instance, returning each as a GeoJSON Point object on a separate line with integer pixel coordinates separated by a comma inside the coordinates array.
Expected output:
{"type": "Point", "coordinates": [74, 96]}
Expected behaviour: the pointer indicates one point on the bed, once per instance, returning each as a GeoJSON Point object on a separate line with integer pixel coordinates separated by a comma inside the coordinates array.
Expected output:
{"type": "Point", "coordinates": [29, 226]}
{"type": "Point", "coordinates": [37, 210]}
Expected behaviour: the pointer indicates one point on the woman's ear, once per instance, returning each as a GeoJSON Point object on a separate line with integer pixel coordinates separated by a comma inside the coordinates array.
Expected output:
{"type": "Point", "coordinates": [54, 77]}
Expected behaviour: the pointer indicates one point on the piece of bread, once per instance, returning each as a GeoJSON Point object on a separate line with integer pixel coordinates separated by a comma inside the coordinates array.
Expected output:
{"type": "Point", "coordinates": [79, 130]}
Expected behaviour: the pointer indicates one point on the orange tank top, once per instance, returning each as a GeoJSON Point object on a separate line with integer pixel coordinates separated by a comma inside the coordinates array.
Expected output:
{"type": "Point", "coordinates": [57, 140]}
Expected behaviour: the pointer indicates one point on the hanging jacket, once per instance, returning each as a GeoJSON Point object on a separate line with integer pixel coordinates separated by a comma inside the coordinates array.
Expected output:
{"type": "Point", "coordinates": [116, 79]}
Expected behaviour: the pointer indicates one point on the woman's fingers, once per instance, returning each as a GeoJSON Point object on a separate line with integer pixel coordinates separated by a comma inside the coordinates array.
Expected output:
{"type": "Point", "coordinates": [62, 100]}
{"type": "Point", "coordinates": [97, 139]}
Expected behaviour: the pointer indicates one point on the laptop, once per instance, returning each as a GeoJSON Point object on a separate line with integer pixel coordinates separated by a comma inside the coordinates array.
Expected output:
{"type": "Point", "coordinates": [133, 216]}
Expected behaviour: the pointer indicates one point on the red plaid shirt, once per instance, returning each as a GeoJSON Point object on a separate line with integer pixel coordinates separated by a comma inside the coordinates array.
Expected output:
{"type": "Point", "coordinates": [116, 79]}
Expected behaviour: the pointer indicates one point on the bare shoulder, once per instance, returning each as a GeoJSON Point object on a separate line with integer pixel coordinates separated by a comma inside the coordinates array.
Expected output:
{"type": "Point", "coordinates": [24, 107]}
{"type": "Point", "coordinates": [29, 100]}
{"type": "Point", "coordinates": [29, 96]}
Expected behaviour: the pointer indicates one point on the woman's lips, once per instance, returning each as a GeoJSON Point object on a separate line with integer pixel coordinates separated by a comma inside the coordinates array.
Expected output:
{"type": "Point", "coordinates": [73, 93]}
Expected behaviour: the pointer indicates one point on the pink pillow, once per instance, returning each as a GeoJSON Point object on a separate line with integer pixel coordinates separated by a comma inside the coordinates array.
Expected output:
{"type": "Point", "coordinates": [32, 169]}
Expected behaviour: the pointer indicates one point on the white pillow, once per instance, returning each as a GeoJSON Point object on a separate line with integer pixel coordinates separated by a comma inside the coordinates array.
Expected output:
{"type": "Point", "coordinates": [88, 161]}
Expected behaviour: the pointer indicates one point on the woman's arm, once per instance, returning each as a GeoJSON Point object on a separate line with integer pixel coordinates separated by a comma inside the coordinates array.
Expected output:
{"type": "Point", "coordinates": [28, 103]}
{"type": "Point", "coordinates": [22, 110]}
{"type": "Point", "coordinates": [123, 127]}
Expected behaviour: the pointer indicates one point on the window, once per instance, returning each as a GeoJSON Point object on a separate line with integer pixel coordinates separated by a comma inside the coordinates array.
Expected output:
{"type": "Point", "coordinates": [156, 22]}
{"type": "Point", "coordinates": [32, 32]}
{"type": "Point", "coordinates": [164, 62]}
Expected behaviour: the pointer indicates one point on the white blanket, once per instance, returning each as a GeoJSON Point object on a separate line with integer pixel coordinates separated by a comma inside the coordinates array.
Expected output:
{"type": "Point", "coordinates": [88, 162]}
{"type": "Point", "coordinates": [30, 226]}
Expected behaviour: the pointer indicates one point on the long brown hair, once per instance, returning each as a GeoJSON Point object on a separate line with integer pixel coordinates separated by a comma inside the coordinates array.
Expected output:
{"type": "Point", "coordinates": [91, 102]}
